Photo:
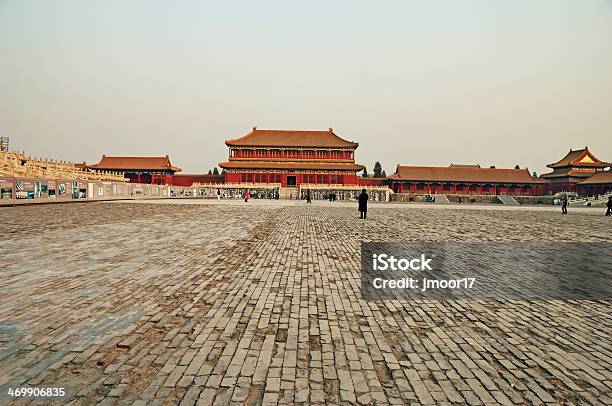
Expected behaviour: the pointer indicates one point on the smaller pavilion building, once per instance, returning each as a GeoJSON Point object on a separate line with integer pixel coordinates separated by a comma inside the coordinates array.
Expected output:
{"type": "Point", "coordinates": [139, 169]}
{"type": "Point", "coordinates": [597, 184]}
{"type": "Point", "coordinates": [464, 179]}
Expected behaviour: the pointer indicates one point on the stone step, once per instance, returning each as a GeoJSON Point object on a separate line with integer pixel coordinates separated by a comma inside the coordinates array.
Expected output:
{"type": "Point", "coordinates": [441, 199]}
{"type": "Point", "coordinates": [508, 200]}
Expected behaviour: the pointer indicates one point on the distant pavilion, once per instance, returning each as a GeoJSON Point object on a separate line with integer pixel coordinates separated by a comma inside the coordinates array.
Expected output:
{"type": "Point", "coordinates": [139, 169]}
{"type": "Point", "coordinates": [574, 168]}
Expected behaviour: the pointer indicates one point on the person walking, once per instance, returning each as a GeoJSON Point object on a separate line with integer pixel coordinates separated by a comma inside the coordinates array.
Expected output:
{"type": "Point", "coordinates": [308, 200]}
{"type": "Point", "coordinates": [564, 204]}
{"type": "Point", "coordinates": [363, 204]}
{"type": "Point", "coordinates": [609, 204]}
{"type": "Point", "coordinates": [246, 195]}
{"type": "Point", "coordinates": [218, 194]}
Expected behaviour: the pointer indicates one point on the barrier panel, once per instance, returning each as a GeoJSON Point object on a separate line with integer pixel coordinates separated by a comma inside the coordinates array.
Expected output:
{"type": "Point", "coordinates": [345, 192]}
{"type": "Point", "coordinates": [15, 191]}
{"type": "Point", "coordinates": [375, 195]}
{"type": "Point", "coordinates": [238, 192]}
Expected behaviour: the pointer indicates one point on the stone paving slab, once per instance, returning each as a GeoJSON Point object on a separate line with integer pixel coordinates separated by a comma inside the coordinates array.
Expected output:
{"type": "Point", "coordinates": [220, 304]}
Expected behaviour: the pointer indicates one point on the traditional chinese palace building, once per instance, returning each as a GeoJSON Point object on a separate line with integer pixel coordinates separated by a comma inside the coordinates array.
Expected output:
{"type": "Point", "coordinates": [596, 184]}
{"type": "Point", "coordinates": [464, 179]}
{"type": "Point", "coordinates": [154, 170]}
{"type": "Point", "coordinates": [291, 158]}
{"type": "Point", "coordinates": [574, 168]}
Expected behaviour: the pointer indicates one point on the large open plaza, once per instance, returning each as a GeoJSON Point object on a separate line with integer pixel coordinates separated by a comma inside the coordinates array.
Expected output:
{"type": "Point", "coordinates": [208, 302]}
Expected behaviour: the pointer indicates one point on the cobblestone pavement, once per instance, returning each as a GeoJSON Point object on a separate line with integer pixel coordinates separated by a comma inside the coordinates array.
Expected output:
{"type": "Point", "coordinates": [259, 304]}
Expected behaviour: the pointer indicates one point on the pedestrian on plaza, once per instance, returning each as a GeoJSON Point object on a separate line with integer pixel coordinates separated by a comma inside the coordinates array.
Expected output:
{"type": "Point", "coordinates": [218, 194]}
{"type": "Point", "coordinates": [609, 204]}
{"type": "Point", "coordinates": [246, 195]}
{"type": "Point", "coordinates": [308, 200]}
{"type": "Point", "coordinates": [330, 197]}
{"type": "Point", "coordinates": [363, 204]}
{"type": "Point", "coordinates": [564, 204]}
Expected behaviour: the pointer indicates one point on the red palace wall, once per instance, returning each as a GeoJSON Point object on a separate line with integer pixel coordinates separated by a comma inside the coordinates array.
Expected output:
{"type": "Point", "coordinates": [232, 178]}
{"type": "Point", "coordinates": [188, 180]}
{"type": "Point", "coordinates": [300, 178]}
{"type": "Point", "coordinates": [551, 187]}
{"type": "Point", "coordinates": [372, 181]}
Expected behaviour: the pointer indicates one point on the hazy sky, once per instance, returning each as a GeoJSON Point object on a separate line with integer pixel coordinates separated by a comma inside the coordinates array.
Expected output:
{"type": "Point", "coordinates": [414, 82]}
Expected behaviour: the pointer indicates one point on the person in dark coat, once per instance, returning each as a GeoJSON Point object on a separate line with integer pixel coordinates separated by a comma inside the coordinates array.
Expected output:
{"type": "Point", "coordinates": [363, 204]}
{"type": "Point", "coordinates": [609, 211]}
{"type": "Point", "coordinates": [308, 200]}
{"type": "Point", "coordinates": [564, 204]}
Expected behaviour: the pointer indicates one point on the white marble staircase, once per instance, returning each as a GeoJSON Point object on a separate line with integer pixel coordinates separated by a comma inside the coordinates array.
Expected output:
{"type": "Point", "coordinates": [508, 200]}
{"type": "Point", "coordinates": [441, 199]}
{"type": "Point", "coordinates": [601, 201]}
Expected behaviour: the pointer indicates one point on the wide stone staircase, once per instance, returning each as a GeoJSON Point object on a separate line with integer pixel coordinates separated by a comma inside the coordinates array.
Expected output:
{"type": "Point", "coordinates": [508, 200]}
{"type": "Point", "coordinates": [441, 199]}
